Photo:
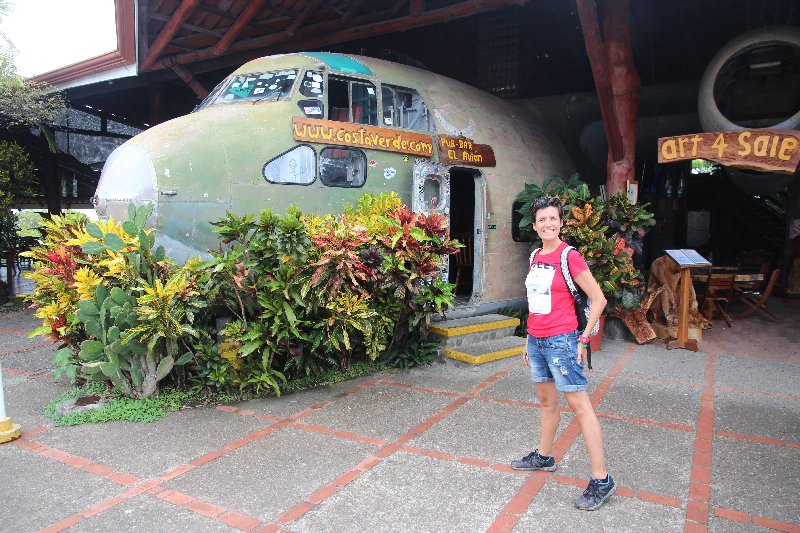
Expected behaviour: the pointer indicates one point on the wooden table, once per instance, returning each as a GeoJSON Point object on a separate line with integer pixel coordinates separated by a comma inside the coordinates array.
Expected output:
{"type": "Point", "coordinates": [739, 278]}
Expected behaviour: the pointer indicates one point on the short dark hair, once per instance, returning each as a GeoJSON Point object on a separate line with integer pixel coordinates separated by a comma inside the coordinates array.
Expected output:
{"type": "Point", "coordinates": [544, 202]}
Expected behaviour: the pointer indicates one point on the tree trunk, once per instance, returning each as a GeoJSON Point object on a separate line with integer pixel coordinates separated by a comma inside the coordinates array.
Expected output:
{"type": "Point", "coordinates": [625, 85]}
{"type": "Point", "coordinates": [617, 84]}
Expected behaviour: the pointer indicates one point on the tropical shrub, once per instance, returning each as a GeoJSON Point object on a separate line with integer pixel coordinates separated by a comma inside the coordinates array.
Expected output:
{"type": "Point", "coordinates": [122, 312]}
{"type": "Point", "coordinates": [607, 233]}
{"type": "Point", "coordinates": [306, 293]}
{"type": "Point", "coordinates": [296, 296]}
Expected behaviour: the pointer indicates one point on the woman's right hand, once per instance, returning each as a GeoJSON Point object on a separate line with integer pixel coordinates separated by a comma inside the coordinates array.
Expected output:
{"type": "Point", "coordinates": [525, 355]}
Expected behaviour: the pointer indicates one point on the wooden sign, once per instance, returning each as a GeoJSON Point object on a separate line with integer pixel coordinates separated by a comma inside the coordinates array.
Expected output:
{"type": "Point", "coordinates": [766, 150]}
{"type": "Point", "coordinates": [359, 135]}
{"type": "Point", "coordinates": [462, 151]}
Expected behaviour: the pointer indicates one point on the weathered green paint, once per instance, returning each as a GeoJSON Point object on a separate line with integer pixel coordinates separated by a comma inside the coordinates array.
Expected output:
{"type": "Point", "coordinates": [196, 167]}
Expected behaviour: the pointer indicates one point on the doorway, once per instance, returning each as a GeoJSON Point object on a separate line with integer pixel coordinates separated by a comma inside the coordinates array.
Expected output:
{"type": "Point", "coordinates": [466, 193]}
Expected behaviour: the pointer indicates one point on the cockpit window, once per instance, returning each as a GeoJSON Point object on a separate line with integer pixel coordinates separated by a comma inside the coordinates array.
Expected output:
{"type": "Point", "coordinates": [342, 167]}
{"type": "Point", "coordinates": [404, 108]}
{"type": "Point", "coordinates": [297, 166]}
{"type": "Point", "coordinates": [269, 86]}
{"type": "Point", "coordinates": [312, 84]}
{"type": "Point", "coordinates": [353, 101]}
{"type": "Point", "coordinates": [211, 96]}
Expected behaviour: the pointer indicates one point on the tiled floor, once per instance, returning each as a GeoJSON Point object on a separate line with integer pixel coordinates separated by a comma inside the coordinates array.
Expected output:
{"type": "Point", "coordinates": [706, 441]}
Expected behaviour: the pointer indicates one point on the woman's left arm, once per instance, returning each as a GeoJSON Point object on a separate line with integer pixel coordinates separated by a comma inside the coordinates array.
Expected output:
{"type": "Point", "coordinates": [589, 285]}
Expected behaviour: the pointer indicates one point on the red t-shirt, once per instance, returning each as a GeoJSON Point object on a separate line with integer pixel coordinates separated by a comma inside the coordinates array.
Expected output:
{"type": "Point", "coordinates": [554, 294]}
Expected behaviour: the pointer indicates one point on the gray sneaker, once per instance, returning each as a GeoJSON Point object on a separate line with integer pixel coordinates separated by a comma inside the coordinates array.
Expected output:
{"type": "Point", "coordinates": [595, 494]}
{"type": "Point", "coordinates": [534, 461]}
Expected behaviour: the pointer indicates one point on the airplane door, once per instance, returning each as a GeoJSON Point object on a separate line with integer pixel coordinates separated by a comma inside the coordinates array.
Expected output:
{"type": "Point", "coordinates": [431, 193]}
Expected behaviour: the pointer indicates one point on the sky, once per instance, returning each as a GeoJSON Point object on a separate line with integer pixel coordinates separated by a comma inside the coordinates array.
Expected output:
{"type": "Point", "coordinates": [50, 34]}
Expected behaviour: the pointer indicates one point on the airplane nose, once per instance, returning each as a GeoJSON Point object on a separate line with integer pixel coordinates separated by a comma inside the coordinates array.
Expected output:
{"type": "Point", "coordinates": [128, 177]}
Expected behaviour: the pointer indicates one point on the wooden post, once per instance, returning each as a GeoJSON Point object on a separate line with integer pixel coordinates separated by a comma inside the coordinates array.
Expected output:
{"type": "Point", "coordinates": [683, 340]}
{"type": "Point", "coordinates": [625, 84]}
{"type": "Point", "coordinates": [617, 83]}
{"type": "Point", "coordinates": [686, 259]}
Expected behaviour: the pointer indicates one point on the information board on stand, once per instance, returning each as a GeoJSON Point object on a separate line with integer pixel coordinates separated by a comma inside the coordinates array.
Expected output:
{"type": "Point", "coordinates": [686, 259]}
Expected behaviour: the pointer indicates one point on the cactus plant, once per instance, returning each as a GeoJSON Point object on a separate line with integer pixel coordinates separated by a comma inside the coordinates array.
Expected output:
{"type": "Point", "coordinates": [134, 339]}
{"type": "Point", "coordinates": [117, 352]}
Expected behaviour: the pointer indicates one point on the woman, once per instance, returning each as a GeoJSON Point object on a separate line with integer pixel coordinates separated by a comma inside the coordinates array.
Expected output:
{"type": "Point", "coordinates": [556, 352]}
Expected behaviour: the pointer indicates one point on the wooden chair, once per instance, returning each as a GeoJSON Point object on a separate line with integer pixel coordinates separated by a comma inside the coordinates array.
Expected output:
{"type": "Point", "coordinates": [718, 294]}
{"type": "Point", "coordinates": [462, 259]}
{"type": "Point", "coordinates": [757, 299]}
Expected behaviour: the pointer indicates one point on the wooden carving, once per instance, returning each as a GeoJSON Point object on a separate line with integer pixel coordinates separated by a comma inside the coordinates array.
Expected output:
{"type": "Point", "coordinates": [664, 285]}
{"type": "Point", "coordinates": [636, 319]}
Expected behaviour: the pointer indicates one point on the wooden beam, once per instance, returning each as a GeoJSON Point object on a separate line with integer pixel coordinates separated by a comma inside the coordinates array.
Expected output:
{"type": "Point", "coordinates": [271, 21]}
{"type": "Point", "coordinates": [301, 18]}
{"type": "Point", "coordinates": [595, 49]}
{"type": "Point", "coordinates": [167, 32]}
{"type": "Point", "coordinates": [275, 5]}
{"type": "Point", "coordinates": [187, 77]}
{"type": "Point", "coordinates": [352, 11]}
{"type": "Point", "coordinates": [233, 31]}
{"type": "Point", "coordinates": [397, 7]}
{"type": "Point", "coordinates": [325, 33]}
{"type": "Point", "coordinates": [193, 27]}
{"type": "Point", "coordinates": [216, 11]}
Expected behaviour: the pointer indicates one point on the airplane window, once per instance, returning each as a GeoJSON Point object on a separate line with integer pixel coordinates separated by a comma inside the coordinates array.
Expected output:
{"type": "Point", "coordinates": [352, 101]}
{"type": "Point", "coordinates": [365, 103]}
{"type": "Point", "coordinates": [404, 108]}
{"type": "Point", "coordinates": [297, 166]}
{"type": "Point", "coordinates": [312, 84]}
{"type": "Point", "coordinates": [212, 95]}
{"type": "Point", "coordinates": [339, 100]}
{"type": "Point", "coordinates": [342, 167]}
{"type": "Point", "coordinates": [257, 87]}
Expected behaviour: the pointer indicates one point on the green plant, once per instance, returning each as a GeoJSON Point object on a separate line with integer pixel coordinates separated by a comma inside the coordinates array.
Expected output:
{"type": "Point", "coordinates": [132, 410]}
{"type": "Point", "coordinates": [115, 351]}
{"type": "Point", "coordinates": [300, 295]}
{"type": "Point", "coordinates": [335, 375]}
{"type": "Point", "coordinates": [519, 313]}
{"type": "Point", "coordinates": [416, 352]}
{"type": "Point", "coordinates": [308, 292]}
{"type": "Point", "coordinates": [122, 312]}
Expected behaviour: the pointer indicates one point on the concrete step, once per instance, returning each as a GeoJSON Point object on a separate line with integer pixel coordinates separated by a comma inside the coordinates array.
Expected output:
{"type": "Point", "coordinates": [473, 330]}
{"type": "Point", "coordinates": [483, 352]}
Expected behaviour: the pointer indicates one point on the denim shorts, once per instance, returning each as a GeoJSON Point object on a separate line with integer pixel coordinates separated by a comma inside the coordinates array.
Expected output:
{"type": "Point", "coordinates": [556, 359]}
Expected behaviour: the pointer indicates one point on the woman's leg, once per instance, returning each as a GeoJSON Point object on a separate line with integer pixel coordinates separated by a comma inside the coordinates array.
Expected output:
{"type": "Point", "coordinates": [549, 416]}
{"type": "Point", "coordinates": [590, 427]}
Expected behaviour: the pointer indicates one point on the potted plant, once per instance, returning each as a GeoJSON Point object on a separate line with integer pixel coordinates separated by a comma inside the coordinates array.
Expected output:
{"type": "Point", "coordinates": [607, 233]}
